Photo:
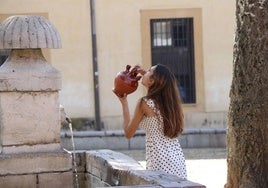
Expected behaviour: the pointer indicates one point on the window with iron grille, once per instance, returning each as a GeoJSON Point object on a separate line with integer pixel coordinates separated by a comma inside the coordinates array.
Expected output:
{"type": "Point", "coordinates": [3, 56]}
{"type": "Point", "coordinates": [172, 44]}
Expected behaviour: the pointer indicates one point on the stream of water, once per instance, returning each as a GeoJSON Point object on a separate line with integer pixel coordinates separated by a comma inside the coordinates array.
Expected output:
{"type": "Point", "coordinates": [73, 156]}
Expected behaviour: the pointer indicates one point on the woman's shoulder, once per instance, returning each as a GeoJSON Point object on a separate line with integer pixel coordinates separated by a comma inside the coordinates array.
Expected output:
{"type": "Point", "coordinates": [147, 100]}
{"type": "Point", "coordinates": [150, 102]}
{"type": "Point", "coordinates": [148, 106]}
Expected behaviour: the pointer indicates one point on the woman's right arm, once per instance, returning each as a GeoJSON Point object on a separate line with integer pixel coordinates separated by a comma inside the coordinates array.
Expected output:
{"type": "Point", "coordinates": [130, 125]}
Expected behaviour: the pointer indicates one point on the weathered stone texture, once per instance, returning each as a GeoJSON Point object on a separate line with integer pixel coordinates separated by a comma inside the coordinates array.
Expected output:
{"type": "Point", "coordinates": [22, 181]}
{"type": "Point", "coordinates": [23, 31]}
{"type": "Point", "coordinates": [31, 155]}
{"type": "Point", "coordinates": [29, 118]}
{"type": "Point", "coordinates": [27, 70]}
{"type": "Point", "coordinates": [117, 169]}
{"type": "Point", "coordinates": [29, 163]}
{"type": "Point", "coordinates": [56, 180]}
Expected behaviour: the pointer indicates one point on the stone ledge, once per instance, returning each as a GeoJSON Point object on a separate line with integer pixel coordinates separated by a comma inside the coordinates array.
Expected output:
{"type": "Point", "coordinates": [42, 180]}
{"type": "Point", "coordinates": [116, 169]}
{"type": "Point", "coordinates": [82, 134]}
{"type": "Point", "coordinates": [189, 131]}
{"type": "Point", "coordinates": [115, 139]}
{"type": "Point", "coordinates": [108, 165]}
{"type": "Point", "coordinates": [166, 180]}
{"type": "Point", "coordinates": [53, 147]}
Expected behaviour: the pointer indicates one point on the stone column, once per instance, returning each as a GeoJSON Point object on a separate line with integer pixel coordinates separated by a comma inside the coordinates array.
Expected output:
{"type": "Point", "coordinates": [29, 104]}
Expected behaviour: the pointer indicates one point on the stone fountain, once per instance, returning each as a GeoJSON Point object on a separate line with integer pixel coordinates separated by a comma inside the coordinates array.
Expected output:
{"type": "Point", "coordinates": [31, 154]}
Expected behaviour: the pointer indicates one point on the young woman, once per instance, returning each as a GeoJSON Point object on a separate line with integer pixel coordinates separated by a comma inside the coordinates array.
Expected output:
{"type": "Point", "coordinates": [160, 115]}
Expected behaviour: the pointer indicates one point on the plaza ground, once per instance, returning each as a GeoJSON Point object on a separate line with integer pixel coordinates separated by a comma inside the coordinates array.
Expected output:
{"type": "Point", "coordinates": [206, 166]}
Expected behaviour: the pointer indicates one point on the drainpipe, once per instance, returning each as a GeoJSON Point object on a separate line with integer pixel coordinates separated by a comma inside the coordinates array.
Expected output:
{"type": "Point", "coordinates": [95, 66]}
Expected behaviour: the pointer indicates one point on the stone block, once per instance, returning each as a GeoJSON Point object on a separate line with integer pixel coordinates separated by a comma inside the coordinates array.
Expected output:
{"type": "Point", "coordinates": [26, 116]}
{"type": "Point", "coordinates": [31, 148]}
{"type": "Point", "coordinates": [87, 143]}
{"type": "Point", "coordinates": [117, 143]}
{"type": "Point", "coordinates": [90, 142]}
{"type": "Point", "coordinates": [206, 119]}
{"type": "Point", "coordinates": [27, 70]}
{"type": "Point", "coordinates": [197, 141]}
{"type": "Point", "coordinates": [217, 140]}
{"type": "Point", "coordinates": [26, 163]}
{"type": "Point", "coordinates": [93, 181]}
{"type": "Point", "coordinates": [183, 140]}
{"type": "Point", "coordinates": [162, 179]}
{"type": "Point", "coordinates": [117, 169]}
{"type": "Point", "coordinates": [105, 164]}
{"type": "Point", "coordinates": [80, 161]}
{"type": "Point", "coordinates": [56, 180]}
{"type": "Point", "coordinates": [130, 178]}
{"type": "Point", "coordinates": [137, 142]}
{"type": "Point", "coordinates": [79, 180]}
{"type": "Point", "coordinates": [18, 181]}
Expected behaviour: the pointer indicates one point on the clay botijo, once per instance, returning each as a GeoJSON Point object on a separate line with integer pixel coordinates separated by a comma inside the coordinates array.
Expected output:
{"type": "Point", "coordinates": [126, 81]}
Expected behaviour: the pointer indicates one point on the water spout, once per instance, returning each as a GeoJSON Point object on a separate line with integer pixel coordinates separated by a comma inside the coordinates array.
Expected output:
{"type": "Point", "coordinates": [64, 119]}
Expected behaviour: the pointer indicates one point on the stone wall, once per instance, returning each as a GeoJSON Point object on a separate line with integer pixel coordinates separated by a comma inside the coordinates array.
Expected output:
{"type": "Point", "coordinates": [115, 140]}
{"type": "Point", "coordinates": [103, 168]}
{"type": "Point", "coordinates": [31, 170]}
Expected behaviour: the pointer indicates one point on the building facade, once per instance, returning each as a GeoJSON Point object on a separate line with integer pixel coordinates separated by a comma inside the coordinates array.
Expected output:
{"type": "Point", "coordinates": [194, 38]}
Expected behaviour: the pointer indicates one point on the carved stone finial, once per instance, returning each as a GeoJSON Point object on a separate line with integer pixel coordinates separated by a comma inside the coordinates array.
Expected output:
{"type": "Point", "coordinates": [24, 31]}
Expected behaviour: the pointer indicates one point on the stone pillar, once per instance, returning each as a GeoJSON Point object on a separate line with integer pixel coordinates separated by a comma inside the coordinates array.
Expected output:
{"type": "Point", "coordinates": [29, 104]}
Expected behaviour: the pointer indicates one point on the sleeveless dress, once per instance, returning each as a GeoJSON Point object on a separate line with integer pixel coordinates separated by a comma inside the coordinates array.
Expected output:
{"type": "Point", "coordinates": [162, 153]}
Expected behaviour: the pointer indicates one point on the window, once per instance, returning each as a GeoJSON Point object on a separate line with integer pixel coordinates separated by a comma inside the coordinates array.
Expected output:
{"type": "Point", "coordinates": [172, 45]}
{"type": "Point", "coordinates": [162, 34]}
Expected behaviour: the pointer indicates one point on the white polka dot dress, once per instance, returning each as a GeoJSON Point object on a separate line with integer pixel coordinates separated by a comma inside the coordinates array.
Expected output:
{"type": "Point", "coordinates": [162, 153]}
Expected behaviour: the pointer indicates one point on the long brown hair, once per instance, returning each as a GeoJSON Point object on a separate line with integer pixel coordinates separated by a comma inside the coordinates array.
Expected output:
{"type": "Point", "coordinates": [165, 93]}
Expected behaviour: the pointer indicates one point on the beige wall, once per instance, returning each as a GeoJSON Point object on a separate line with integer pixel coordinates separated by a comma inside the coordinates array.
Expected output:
{"type": "Point", "coordinates": [120, 40]}
{"type": "Point", "coordinates": [72, 19]}
{"type": "Point", "coordinates": [218, 29]}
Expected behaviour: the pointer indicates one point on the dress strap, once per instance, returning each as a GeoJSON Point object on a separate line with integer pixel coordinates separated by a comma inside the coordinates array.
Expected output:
{"type": "Point", "coordinates": [152, 105]}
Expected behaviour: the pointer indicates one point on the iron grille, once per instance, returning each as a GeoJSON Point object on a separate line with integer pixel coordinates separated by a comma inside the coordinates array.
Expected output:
{"type": "Point", "coordinates": [172, 44]}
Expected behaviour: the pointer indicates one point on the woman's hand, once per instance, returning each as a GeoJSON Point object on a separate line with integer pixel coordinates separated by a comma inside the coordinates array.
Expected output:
{"type": "Point", "coordinates": [122, 98]}
{"type": "Point", "coordinates": [141, 70]}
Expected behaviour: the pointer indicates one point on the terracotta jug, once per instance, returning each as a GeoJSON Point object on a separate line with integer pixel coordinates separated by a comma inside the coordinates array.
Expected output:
{"type": "Point", "coordinates": [126, 81]}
